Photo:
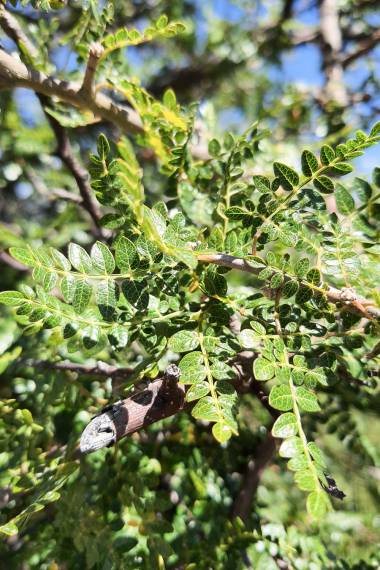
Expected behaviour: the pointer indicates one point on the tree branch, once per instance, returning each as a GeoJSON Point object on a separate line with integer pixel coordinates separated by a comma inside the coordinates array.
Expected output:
{"type": "Point", "coordinates": [13, 73]}
{"type": "Point", "coordinates": [66, 154]}
{"type": "Point", "coordinates": [64, 150]}
{"type": "Point", "coordinates": [337, 296]}
{"type": "Point", "coordinates": [363, 48]}
{"type": "Point", "coordinates": [13, 30]}
{"type": "Point", "coordinates": [88, 86]}
{"type": "Point", "coordinates": [163, 398]}
{"type": "Point", "coordinates": [100, 369]}
{"type": "Point", "coordinates": [256, 466]}
{"type": "Point", "coordinates": [332, 43]}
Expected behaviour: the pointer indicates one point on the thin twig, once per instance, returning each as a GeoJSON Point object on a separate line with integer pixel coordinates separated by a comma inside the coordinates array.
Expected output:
{"type": "Point", "coordinates": [364, 47]}
{"type": "Point", "coordinates": [13, 73]}
{"type": "Point", "coordinates": [94, 55]}
{"type": "Point", "coordinates": [99, 369]}
{"type": "Point", "coordinates": [13, 30]}
{"type": "Point", "coordinates": [333, 295]}
{"type": "Point", "coordinates": [65, 152]}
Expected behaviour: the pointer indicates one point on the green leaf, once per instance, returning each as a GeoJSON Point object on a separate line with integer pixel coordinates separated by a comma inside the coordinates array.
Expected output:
{"type": "Point", "coordinates": [184, 341]}
{"type": "Point", "coordinates": [215, 284]}
{"type": "Point", "coordinates": [126, 255]}
{"type": "Point", "coordinates": [23, 255]}
{"type": "Point", "coordinates": [102, 259]}
{"type": "Point", "coordinates": [191, 360]}
{"type": "Point", "coordinates": [304, 294]}
{"type": "Point", "coordinates": [314, 376]}
{"type": "Point", "coordinates": [49, 281]}
{"type": "Point", "coordinates": [327, 154]}
{"type": "Point", "coordinates": [280, 398]}
{"type": "Point", "coordinates": [261, 183]}
{"type": "Point", "coordinates": [314, 276]}
{"type": "Point", "coordinates": [197, 391]}
{"type": "Point", "coordinates": [318, 504]}
{"type": "Point", "coordinates": [162, 22]}
{"type": "Point", "coordinates": [192, 375]}
{"type": "Point", "coordinates": [205, 409]}
{"type": "Point", "coordinates": [221, 431]}
{"type": "Point", "coordinates": [103, 147]}
{"type": "Point", "coordinates": [307, 400]}
{"type": "Point", "coordinates": [169, 99]}
{"type": "Point", "coordinates": [302, 267]}
{"type": "Point", "coordinates": [291, 447]}
{"type": "Point", "coordinates": [12, 298]}
{"type": "Point", "coordinates": [68, 285]}
{"type": "Point", "coordinates": [263, 369]}
{"type": "Point", "coordinates": [60, 261]}
{"type": "Point", "coordinates": [344, 201]}
{"type": "Point", "coordinates": [214, 147]}
{"type": "Point", "coordinates": [112, 221]}
{"type": "Point", "coordinates": [316, 453]}
{"type": "Point", "coordinates": [79, 258]}
{"type": "Point", "coordinates": [118, 336]}
{"type": "Point", "coordinates": [298, 463]}
{"type": "Point", "coordinates": [106, 298]}
{"type": "Point", "coordinates": [285, 426]}
{"type": "Point", "coordinates": [309, 163]}
{"type": "Point", "coordinates": [81, 295]}
{"type": "Point", "coordinates": [342, 168]}
{"type": "Point", "coordinates": [375, 131]}
{"type": "Point", "coordinates": [237, 213]}
{"type": "Point", "coordinates": [376, 176]}
{"type": "Point", "coordinates": [136, 293]}
{"type": "Point", "coordinates": [324, 184]}
{"type": "Point", "coordinates": [276, 280]}
{"type": "Point", "coordinates": [290, 288]}
{"type": "Point", "coordinates": [305, 480]}
{"type": "Point", "coordinates": [288, 177]}
{"type": "Point", "coordinates": [248, 338]}
{"type": "Point", "coordinates": [9, 529]}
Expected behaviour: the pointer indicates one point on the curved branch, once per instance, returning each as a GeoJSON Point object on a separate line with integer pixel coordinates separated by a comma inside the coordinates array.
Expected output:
{"type": "Point", "coordinates": [336, 296]}
{"type": "Point", "coordinates": [364, 47]}
{"type": "Point", "coordinates": [13, 73]}
{"type": "Point", "coordinates": [256, 465]}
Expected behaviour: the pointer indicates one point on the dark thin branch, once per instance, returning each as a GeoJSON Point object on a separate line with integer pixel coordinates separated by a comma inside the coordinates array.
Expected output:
{"type": "Point", "coordinates": [364, 47]}
{"type": "Point", "coordinates": [263, 398]}
{"type": "Point", "coordinates": [287, 10]}
{"type": "Point", "coordinates": [242, 506]}
{"type": "Point", "coordinates": [100, 369]}
{"type": "Point", "coordinates": [65, 152]}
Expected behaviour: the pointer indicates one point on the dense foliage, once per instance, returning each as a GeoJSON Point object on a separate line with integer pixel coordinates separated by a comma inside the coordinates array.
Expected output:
{"type": "Point", "coordinates": [248, 257]}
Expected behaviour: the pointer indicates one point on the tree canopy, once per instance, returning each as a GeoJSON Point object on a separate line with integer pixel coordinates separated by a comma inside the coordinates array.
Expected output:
{"type": "Point", "coordinates": [190, 304]}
